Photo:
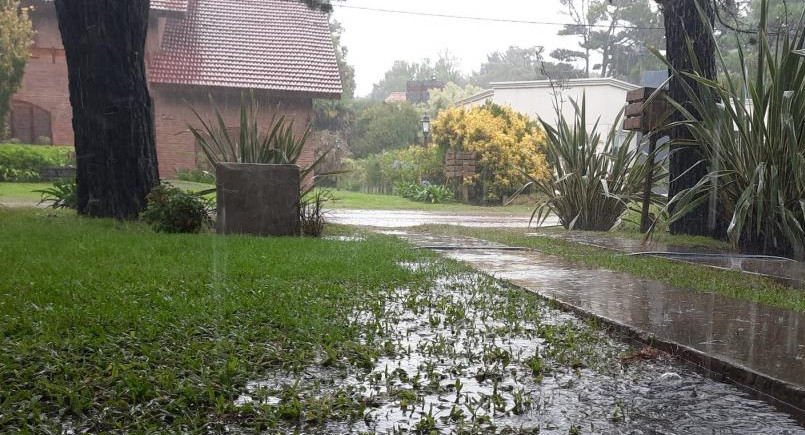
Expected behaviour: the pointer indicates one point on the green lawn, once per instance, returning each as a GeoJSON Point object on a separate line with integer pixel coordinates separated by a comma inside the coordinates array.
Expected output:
{"type": "Point", "coordinates": [115, 326]}
{"type": "Point", "coordinates": [110, 328]}
{"type": "Point", "coordinates": [700, 278]}
{"type": "Point", "coordinates": [366, 201]}
{"type": "Point", "coordinates": [24, 192]}
{"type": "Point", "coordinates": [21, 192]}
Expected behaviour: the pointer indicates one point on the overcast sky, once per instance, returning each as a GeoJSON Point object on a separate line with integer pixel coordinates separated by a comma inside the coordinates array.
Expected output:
{"type": "Point", "coordinates": [376, 39]}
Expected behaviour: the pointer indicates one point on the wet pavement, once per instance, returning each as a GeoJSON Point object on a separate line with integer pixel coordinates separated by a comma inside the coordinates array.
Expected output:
{"type": "Point", "coordinates": [757, 346]}
{"type": "Point", "coordinates": [410, 218]}
{"type": "Point", "coordinates": [787, 271]}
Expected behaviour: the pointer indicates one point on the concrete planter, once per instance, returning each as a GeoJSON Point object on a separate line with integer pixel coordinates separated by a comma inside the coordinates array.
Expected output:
{"type": "Point", "coordinates": [257, 199]}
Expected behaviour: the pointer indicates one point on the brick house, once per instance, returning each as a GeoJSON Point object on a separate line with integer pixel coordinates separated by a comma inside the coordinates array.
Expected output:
{"type": "Point", "coordinates": [195, 49]}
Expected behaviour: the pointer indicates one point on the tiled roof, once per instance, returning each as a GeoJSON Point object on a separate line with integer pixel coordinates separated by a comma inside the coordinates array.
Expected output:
{"type": "Point", "coordinates": [277, 45]}
{"type": "Point", "coordinates": [170, 5]}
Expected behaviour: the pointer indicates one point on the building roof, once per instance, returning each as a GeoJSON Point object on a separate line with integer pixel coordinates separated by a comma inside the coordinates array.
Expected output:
{"type": "Point", "coordinates": [278, 45]}
{"type": "Point", "coordinates": [395, 97]}
{"type": "Point", "coordinates": [570, 83]}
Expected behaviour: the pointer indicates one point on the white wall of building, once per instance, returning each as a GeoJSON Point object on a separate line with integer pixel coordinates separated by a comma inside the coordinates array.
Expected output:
{"type": "Point", "coordinates": [538, 99]}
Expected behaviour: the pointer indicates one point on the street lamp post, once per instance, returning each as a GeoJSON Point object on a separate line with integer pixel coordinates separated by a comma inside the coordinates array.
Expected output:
{"type": "Point", "coordinates": [425, 129]}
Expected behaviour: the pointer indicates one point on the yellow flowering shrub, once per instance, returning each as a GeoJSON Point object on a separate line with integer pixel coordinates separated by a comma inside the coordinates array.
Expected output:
{"type": "Point", "coordinates": [507, 142]}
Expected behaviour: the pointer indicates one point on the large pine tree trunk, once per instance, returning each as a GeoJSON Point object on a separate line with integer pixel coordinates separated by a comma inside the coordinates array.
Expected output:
{"type": "Point", "coordinates": [113, 121]}
{"type": "Point", "coordinates": [682, 22]}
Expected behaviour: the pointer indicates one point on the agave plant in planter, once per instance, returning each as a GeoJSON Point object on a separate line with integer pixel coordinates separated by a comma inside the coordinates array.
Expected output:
{"type": "Point", "coordinates": [258, 181]}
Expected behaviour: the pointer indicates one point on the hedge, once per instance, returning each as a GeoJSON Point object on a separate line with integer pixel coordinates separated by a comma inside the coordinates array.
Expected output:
{"type": "Point", "coordinates": [25, 162]}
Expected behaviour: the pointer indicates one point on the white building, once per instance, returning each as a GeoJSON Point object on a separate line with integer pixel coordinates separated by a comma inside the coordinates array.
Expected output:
{"type": "Point", "coordinates": [538, 99]}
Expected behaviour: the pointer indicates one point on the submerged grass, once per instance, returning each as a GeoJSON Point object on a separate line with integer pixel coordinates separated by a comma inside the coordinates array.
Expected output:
{"type": "Point", "coordinates": [684, 275]}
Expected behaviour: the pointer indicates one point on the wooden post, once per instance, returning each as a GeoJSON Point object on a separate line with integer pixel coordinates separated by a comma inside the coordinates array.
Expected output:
{"type": "Point", "coordinates": [645, 118]}
{"type": "Point", "coordinates": [645, 223]}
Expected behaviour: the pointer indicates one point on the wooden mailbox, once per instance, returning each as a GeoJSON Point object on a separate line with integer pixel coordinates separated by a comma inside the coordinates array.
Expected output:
{"type": "Point", "coordinates": [641, 117]}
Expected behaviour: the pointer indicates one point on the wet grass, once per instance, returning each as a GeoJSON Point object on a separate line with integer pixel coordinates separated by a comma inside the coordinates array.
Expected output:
{"type": "Point", "coordinates": [25, 192]}
{"type": "Point", "coordinates": [21, 192]}
{"type": "Point", "coordinates": [110, 328]}
{"type": "Point", "coordinates": [115, 328]}
{"type": "Point", "coordinates": [684, 275]}
{"type": "Point", "coordinates": [665, 238]}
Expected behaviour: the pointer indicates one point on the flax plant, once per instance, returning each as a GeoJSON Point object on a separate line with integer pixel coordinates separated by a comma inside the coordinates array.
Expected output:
{"type": "Point", "coordinates": [274, 144]}
{"type": "Point", "coordinates": [592, 181]}
{"type": "Point", "coordinates": [752, 135]}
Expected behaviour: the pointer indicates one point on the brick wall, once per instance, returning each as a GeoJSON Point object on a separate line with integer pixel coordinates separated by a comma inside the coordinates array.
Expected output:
{"type": "Point", "coordinates": [177, 148]}
{"type": "Point", "coordinates": [45, 81]}
{"type": "Point", "coordinates": [46, 86]}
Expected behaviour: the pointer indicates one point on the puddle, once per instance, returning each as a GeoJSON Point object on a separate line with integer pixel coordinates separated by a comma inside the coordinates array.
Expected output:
{"type": "Point", "coordinates": [345, 238]}
{"type": "Point", "coordinates": [466, 353]}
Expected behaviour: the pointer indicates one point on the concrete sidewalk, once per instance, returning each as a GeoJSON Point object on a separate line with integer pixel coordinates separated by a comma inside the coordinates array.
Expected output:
{"type": "Point", "coordinates": [759, 347]}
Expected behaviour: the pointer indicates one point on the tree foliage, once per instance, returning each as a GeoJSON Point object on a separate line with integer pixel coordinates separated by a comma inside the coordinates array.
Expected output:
{"type": "Point", "coordinates": [16, 34]}
{"type": "Point", "coordinates": [337, 115]}
{"type": "Point", "coordinates": [384, 126]}
{"type": "Point", "coordinates": [620, 33]}
{"type": "Point", "coordinates": [504, 140]}
{"type": "Point", "coordinates": [441, 99]}
{"type": "Point", "coordinates": [517, 64]}
{"type": "Point", "coordinates": [445, 69]}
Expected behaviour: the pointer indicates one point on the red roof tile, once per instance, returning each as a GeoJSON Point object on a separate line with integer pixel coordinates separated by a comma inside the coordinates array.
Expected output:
{"type": "Point", "coordinates": [263, 44]}
{"type": "Point", "coordinates": [170, 5]}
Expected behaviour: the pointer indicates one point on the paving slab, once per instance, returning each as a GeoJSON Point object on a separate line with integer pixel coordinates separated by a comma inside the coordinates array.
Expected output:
{"type": "Point", "coordinates": [759, 347]}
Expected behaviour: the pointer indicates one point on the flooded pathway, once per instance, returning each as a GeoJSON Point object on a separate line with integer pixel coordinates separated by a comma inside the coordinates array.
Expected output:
{"type": "Point", "coordinates": [411, 218]}
{"type": "Point", "coordinates": [760, 347]}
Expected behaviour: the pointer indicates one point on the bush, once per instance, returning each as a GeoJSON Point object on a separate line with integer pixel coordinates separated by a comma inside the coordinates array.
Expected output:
{"type": "Point", "coordinates": [173, 210]}
{"type": "Point", "coordinates": [381, 173]}
{"type": "Point", "coordinates": [384, 127]}
{"type": "Point", "coordinates": [591, 181]}
{"type": "Point", "coordinates": [432, 193]}
{"type": "Point", "coordinates": [757, 150]}
{"type": "Point", "coordinates": [195, 176]}
{"type": "Point", "coordinates": [311, 212]}
{"type": "Point", "coordinates": [505, 141]}
{"type": "Point", "coordinates": [63, 194]}
{"type": "Point", "coordinates": [25, 162]}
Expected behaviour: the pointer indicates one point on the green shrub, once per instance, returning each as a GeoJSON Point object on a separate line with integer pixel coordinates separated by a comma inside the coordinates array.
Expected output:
{"type": "Point", "coordinates": [381, 173]}
{"type": "Point", "coordinates": [311, 212]}
{"type": "Point", "coordinates": [63, 194]}
{"type": "Point", "coordinates": [432, 193]}
{"type": "Point", "coordinates": [173, 210]}
{"type": "Point", "coordinates": [25, 162]}
{"type": "Point", "coordinates": [195, 176]}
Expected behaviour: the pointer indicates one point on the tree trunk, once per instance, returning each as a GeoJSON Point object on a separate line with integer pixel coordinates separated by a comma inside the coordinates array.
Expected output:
{"type": "Point", "coordinates": [113, 120]}
{"type": "Point", "coordinates": [682, 22]}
